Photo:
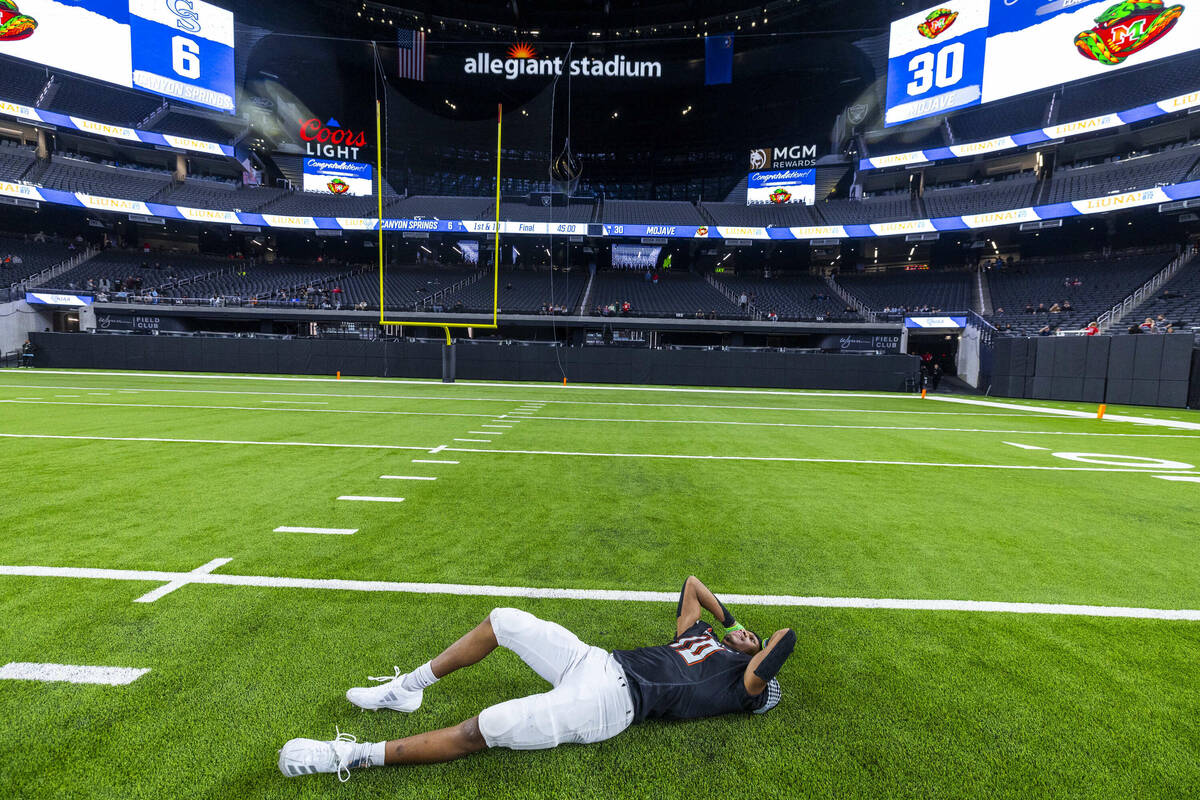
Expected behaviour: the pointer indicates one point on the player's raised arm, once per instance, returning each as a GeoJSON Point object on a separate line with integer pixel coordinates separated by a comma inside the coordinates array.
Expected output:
{"type": "Point", "coordinates": [766, 665]}
{"type": "Point", "coordinates": [694, 598]}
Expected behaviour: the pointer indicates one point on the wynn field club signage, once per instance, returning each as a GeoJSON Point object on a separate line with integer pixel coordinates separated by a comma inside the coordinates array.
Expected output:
{"type": "Point", "coordinates": [523, 60]}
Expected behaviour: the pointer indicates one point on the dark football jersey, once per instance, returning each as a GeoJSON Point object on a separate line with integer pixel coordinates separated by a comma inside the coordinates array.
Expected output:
{"type": "Point", "coordinates": [693, 676]}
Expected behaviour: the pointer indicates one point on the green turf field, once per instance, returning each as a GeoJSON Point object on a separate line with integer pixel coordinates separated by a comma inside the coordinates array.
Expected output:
{"type": "Point", "coordinates": [783, 497]}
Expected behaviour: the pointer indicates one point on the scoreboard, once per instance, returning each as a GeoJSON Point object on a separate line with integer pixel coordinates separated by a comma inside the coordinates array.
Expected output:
{"type": "Point", "coordinates": [964, 53]}
{"type": "Point", "coordinates": [181, 49]}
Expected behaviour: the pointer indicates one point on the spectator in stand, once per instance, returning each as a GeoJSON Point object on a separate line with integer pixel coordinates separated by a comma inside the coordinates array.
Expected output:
{"type": "Point", "coordinates": [1092, 329]}
{"type": "Point", "coordinates": [1135, 329]}
{"type": "Point", "coordinates": [1147, 326]}
{"type": "Point", "coordinates": [1041, 309]}
{"type": "Point", "coordinates": [1161, 323]}
{"type": "Point", "coordinates": [773, 317]}
{"type": "Point", "coordinates": [1029, 308]}
{"type": "Point", "coordinates": [742, 301]}
{"type": "Point", "coordinates": [1056, 309]}
{"type": "Point", "coordinates": [1066, 306]}
{"type": "Point", "coordinates": [1045, 330]}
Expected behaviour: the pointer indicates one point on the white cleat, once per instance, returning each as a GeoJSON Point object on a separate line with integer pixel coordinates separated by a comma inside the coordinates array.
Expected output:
{"type": "Point", "coordinates": [389, 695]}
{"type": "Point", "coordinates": [309, 756]}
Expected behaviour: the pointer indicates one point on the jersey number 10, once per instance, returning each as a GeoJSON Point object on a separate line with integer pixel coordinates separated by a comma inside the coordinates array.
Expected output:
{"type": "Point", "coordinates": [695, 649]}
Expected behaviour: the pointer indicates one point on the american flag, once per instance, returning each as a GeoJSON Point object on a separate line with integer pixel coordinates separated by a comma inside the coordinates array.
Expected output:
{"type": "Point", "coordinates": [412, 53]}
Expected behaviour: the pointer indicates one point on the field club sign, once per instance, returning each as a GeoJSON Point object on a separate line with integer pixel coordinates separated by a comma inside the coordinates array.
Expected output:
{"type": "Point", "coordinates": [523, 60]}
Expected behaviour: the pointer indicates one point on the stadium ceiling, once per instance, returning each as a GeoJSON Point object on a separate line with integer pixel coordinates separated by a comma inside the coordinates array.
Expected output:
{"type": "Point", "coordinates": [548, 20]}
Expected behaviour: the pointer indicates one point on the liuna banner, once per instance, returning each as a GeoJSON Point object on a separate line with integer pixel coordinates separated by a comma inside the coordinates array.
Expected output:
{"type": "Point", "coordinates": [338, 177]}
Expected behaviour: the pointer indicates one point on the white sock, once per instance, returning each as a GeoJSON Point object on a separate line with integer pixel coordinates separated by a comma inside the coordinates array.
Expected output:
{"type": "Point", "coordinates": [375, 754]}
{"type": "Point", "coordinates": [419, 678]}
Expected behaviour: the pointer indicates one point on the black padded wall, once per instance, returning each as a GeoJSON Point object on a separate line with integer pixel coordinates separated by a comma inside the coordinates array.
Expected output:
{"type": "Point", "coordinates": [479, 361]}
{"type": "Point", "coordinates": [1145, 370]}
{"type": "Point", "coordinates": [1194, 392]}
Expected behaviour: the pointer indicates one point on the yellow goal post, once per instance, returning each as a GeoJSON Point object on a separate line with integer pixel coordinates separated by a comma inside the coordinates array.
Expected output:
{"type": "Point", "coordinates": [383, 320]}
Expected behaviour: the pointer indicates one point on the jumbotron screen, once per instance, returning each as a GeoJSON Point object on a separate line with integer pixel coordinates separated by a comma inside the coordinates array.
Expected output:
{"type": "Point", "coordinates": [953, 56]}
{"type": "Point", "coordinates": [181, 49]}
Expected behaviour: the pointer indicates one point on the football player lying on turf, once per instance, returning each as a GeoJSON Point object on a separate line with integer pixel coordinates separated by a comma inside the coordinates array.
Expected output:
{"type": "Point", "coordinates": [595, 694]}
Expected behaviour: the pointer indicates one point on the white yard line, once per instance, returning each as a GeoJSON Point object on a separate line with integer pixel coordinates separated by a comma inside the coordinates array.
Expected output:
{"type": "Point", "coordinates": [299, 402]}
{"type": "Point", "coordinates": [331, 531]}
{"type": "Point", "coordinates": [799, 460]}
{"type": "Point", "coordinates": [466, 384]}
{"type": "Point", "coordinates": [495, 426]}
{"type": "Point", "coordinates": [488, 433]}
{"type": "Point", "coordinates": [431, 461]}
{"type": "Point", "coordinates": [250, 408]}
{"type": "Point", "coordinates": [509, 400]}
{"type": "Point", "coordinates": [468, 590]}
{"type": "Point", "coordinates": [70, 673]}
{"type": "Point", "coordinates": [1066, 412]}
{"type": "Point", "coordinates": [368, 499]}
{"type": "Point", "coordinates": [668, 456]}
{"type": "Point", "coordinates": [517, 417]}
{"type": "Point", "coordinates": [183, 580]}
{"type": "Point", "coordinates": [405, 478]}
{"type": "Point", "coordinates": [1025, 446]}
{"type": "Point", "coordinates": [1180, 478]}
{"type": "Point", "coordinates": [481, 441]}
{"type": "Point", "coordinates": [208, 441]}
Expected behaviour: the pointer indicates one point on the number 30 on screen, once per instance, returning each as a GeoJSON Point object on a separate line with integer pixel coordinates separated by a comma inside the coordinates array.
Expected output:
{"type": "Point", "coordinates": [185, 57]}
{"type": "Point", "coordinates": [943, 69]}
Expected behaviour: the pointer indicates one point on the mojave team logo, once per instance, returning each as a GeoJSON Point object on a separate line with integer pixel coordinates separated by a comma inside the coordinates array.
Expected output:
{"type": "Point", "coordinates": [760, 158]}
{"type": "Point", "coordinates": [13, 24]}
{"type": "Point", "coordinates": [936, 23]}
{"type": "Point", "coordinates": [1125, 28]}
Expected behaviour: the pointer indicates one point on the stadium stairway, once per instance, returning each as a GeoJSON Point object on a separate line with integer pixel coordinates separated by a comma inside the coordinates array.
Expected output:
{"type": "Point", "coordinates": [729, 294]}
{"type": "Point", "coordinates": [587, 294]}
{"type": "Point", "coordinates": [48, 92]}
{"type": "Point", "coordinates": [154, 116]}
{"type": "Point", "coordinates": [850, 299]}
{"type": "Point", "coordinates": [1181, 305]}
{"type": "Point", "coordinates": [981, 303]}
{"type": "Point", "coordinates": [1146, 294]}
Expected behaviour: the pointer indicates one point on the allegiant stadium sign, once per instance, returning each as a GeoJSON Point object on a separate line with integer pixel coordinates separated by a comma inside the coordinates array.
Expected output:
{"type": "Point", "coordinates": [523, 60]}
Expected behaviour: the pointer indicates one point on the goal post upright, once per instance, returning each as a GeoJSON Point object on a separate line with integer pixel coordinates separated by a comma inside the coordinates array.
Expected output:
{"type": "Point", "coordinates": [447, 326]}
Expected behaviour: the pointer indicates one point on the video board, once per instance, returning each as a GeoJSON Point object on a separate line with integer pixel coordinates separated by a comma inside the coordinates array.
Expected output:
{"type": "Point", "coordinates": [181, 49]}
{"type": "Point", "coordinates": [781, 175]}
{"type": "Point", "coordinates": [338, 177]}
{"type": "Point", "coordinates": [946, 58]}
